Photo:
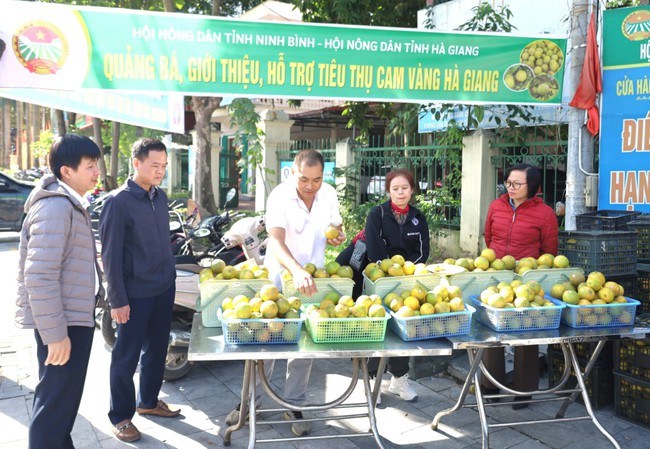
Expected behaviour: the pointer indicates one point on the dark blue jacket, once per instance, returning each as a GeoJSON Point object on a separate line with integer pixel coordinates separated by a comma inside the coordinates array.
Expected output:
{"type": "Point", "coordinates": [136, 249]}
{"type": "Point", "coordinates": [386, 238]}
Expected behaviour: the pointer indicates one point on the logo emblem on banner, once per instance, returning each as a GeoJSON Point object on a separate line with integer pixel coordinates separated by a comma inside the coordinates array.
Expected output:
{"type": "Point", "coordinates": [636, 26]}
{"type": "Point", "coordinates": [40, 47]}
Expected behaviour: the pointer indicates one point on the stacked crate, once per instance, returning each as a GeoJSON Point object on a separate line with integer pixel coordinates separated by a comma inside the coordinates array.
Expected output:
{"type": "Point", "coordinates": [632, 380]}
{"type": "Point", "coordinates": [599, 382]}
{"type": "Point", "coordinates": [618, 240]}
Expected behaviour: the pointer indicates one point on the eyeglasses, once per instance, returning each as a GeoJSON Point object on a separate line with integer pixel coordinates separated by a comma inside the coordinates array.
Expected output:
{"type": "Point", "coordinates": [514, 185]}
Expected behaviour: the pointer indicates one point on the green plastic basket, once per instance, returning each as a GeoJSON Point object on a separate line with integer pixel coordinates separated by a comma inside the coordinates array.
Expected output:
{"type": "Point", "coordinates": [346, 330]}
{"type": "Point", "coordinates": [214, 291]}
{"type": "Point", "coordinates": [262, 331]}
{"type": "Point", "coordinates": [397, 284]}
{"type": "Point", "coordinates": [342, 286]}
{"type": "Point", "coordinates": [549, 276]}
{"type": "Point", "coordinates": [473, 283]}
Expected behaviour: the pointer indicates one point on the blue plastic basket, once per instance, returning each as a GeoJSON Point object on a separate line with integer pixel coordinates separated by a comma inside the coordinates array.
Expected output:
{"type": "Point", "coordinates": [519, 319]}
{"type": "Point", "coordinates": [261, 331]}
{"type": "Point", "coordinates": [432, 326]}
{"type": "Point", "coordinates": [600, 315]}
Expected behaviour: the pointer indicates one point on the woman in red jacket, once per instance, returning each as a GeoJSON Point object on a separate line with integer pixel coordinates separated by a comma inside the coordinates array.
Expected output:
{"type": "Point", "coordinates": [519, 224]}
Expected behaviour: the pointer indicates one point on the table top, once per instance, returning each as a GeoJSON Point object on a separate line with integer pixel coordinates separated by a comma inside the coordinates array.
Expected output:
{"type": "Point", "coordinates": [207, 343]}
{"type": "Point", "coordinates": [482, 336]}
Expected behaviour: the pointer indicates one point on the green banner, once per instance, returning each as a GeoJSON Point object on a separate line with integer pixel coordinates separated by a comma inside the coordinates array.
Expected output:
{"type": "Point", "coordinates": [626, 34]}
{"type": "Point", "coordinates": [153, 52]}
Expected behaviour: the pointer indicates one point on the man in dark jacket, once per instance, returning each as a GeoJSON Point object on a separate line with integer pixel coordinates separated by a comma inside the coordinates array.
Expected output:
{"type": "Point", "coordinates": [58, 281]}
{"type": "Point", "coordinates": [139, 265]}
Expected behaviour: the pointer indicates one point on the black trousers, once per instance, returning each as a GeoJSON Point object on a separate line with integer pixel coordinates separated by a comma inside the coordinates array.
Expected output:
{"type": "Point", "coordinates": [397, 366]}
{"type": "Point", "coordinates": [58, 393]}
{"type": "Point", "coordinates": [526, 369]}
{"type": "Point", "coordinates": [144, 339]}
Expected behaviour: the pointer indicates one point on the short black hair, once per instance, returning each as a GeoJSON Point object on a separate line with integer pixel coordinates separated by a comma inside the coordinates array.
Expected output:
{"type": "Point", "coordinates": [68, 151]}
{"type": "Point", "coordinates": [533, 177]}
{"type": "Point", "coordinates": [310, 158]}
{"type": "Point", "coordinates": [141, 147]}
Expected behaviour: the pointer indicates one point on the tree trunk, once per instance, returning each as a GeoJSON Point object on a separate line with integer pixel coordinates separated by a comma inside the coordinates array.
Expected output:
{"type": "Point", "coordinates": [19, 135]}
{"type": "Point", "coordinates": [72, 120]}
{"type": "Point", "coordinates": [36, 133]}
{"type": "Point", "coordinates": [6, 156]}
{"type": "Point", "coordinates": [60, 122]}
{"type": "Point", "coordinates": [115, 152]}
{"type": "Point", "coordinates": [97, 137]}
{"type": "Point", "coordinates": [203, 108]}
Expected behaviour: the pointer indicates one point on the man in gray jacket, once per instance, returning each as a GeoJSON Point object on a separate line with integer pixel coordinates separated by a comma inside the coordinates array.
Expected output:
{"type": "Point", "coordinates": [58, 283]}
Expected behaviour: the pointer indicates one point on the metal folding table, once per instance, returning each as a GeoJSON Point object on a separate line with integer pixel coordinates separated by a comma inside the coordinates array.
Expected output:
{"type": "Point", "coordinates": [482, 337]}
{"type": "Point", "coordinates": [208, 344]}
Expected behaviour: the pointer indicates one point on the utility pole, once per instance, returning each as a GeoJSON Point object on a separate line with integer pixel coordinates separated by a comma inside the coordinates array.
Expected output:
{"type": "Point", "coordinates": [581, 144]}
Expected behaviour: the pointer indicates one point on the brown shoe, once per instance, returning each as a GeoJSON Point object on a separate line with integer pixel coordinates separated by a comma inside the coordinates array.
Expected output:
{"type": "Point", "coordinates": [161, 409]}
{"type": "Point", "coordinates": [126, 431]}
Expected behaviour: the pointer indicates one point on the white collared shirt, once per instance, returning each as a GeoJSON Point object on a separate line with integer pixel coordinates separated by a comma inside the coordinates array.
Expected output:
{"type": "Point", "coordinates": [84, 203]}
{"type": "Point", "coordinates": [304, 228]}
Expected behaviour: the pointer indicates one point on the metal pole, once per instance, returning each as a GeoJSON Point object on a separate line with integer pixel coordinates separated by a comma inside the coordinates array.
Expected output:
{"type": "Point", "coordinates": [580, 141]}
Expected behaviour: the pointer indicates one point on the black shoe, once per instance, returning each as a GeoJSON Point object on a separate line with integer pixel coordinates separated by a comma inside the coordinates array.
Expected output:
{"type": "Point", "coordinates": [521, 404]}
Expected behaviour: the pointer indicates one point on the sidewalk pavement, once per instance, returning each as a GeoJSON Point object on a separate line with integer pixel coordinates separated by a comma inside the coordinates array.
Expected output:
{"type": "Point", "coordinates": [212, 389]}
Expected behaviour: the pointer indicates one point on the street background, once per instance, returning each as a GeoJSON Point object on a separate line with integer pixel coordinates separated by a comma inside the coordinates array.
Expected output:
{"type": "Point", "coordinates": [212, 389]}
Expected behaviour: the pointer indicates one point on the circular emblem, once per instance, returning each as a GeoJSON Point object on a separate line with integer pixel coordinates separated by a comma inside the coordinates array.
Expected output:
{"type": "Point", "coordinates": [636, 26]}
{"type": "Point", "coordinates": [40, 47]}
{"type": "Point", "coordinates": [415, 221]}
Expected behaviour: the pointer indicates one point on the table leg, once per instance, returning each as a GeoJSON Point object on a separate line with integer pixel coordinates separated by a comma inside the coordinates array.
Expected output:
{"type": "Point", "coordinates": [380, 374]}
{"type": "Point", "coordinates": [371, 396]}
{"type": "Point", "coordinates": [249, 367]}
{"type": "Point", "coordinates": [580, 376]}
{"type": "Point", "coordinates": [475, 361]}
{"type": "Point", "coordinates": [256, 366]}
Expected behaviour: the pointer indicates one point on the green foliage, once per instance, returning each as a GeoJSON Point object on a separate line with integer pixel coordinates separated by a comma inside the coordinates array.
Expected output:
{"type": "Point", "coordinates": [42, 146]}
{"type": "Point", "coordinates": [613, 4]}
{"type": "Point", "coordinates": [396, 13]}
{"type": "Point", "coordinates": [244, 119]}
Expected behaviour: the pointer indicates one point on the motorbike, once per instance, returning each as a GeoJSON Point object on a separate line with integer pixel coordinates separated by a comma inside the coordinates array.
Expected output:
{"type": "Point", "coordinates": [239, 243]}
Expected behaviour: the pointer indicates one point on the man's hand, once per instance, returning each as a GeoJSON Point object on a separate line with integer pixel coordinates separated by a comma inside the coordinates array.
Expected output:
{"type": "Point", "coordinates": [338, 240]}
{"type": "Point", "coordinates": [58, 353]}
{"type": "Point", "coordinates": [122, 314]}
{"type": "Point", "coordinates": [303, 281]}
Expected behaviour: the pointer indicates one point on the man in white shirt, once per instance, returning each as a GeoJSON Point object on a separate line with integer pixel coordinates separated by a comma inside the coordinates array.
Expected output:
{"type": "Point", "coordinates": [297, 215]}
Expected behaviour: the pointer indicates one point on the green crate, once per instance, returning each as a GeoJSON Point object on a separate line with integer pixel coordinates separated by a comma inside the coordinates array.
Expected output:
{"type": "Point", "coordinates": [632, 399]}
{"type": "Point", "coordinates": [261, 331]}
{"type": "Point", "coordinates": [612, 253]}
{"type": "Point", "coordinates": [549, 277]}
{"type": "Point", "coordinates": [214, 291]}
{"type": "Point", "coordinates": [342, 286]}
{"type": "Point", "coordinates": [474, 282]}
{"type": "Point", "coordinates": [346, 330]}
{"type": "Point", "coordinates": [397, 284]}
{"type": "Point", "coordinates": [599, 382]}
{"type": "Point", "coordinates": [633, 357]}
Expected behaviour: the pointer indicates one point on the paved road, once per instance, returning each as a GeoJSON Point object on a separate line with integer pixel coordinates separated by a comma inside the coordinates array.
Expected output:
{"type": "Point", "coordinates": [211, 391]}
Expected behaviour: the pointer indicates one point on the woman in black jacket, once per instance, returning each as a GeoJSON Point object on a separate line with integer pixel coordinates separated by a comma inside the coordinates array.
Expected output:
{"type": "Point", "coordinates": [393, 228]}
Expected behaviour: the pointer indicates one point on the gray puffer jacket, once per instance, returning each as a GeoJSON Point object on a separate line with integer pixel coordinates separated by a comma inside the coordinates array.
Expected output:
{"type": "Point", "coordinates": [56, 277]}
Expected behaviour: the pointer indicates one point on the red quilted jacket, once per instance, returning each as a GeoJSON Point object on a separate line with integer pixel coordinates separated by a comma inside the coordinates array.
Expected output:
{"type": "Point", "coordinates": [528, 231]}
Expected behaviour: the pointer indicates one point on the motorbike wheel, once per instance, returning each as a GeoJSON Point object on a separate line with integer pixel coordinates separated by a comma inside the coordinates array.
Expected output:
{"type": "Point", "coordinates": [177, 363]}
{"type": "Point", "coordinates": [109, 327]}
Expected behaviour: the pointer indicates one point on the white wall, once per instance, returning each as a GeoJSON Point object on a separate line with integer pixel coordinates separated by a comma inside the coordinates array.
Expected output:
{"type": "Point", "coordinates": [529, 16]}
